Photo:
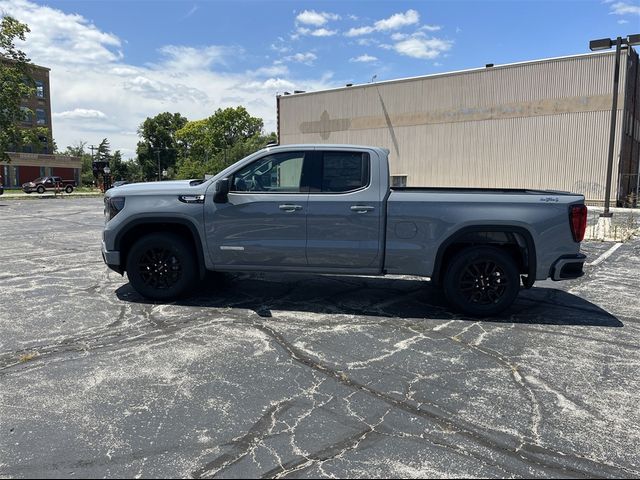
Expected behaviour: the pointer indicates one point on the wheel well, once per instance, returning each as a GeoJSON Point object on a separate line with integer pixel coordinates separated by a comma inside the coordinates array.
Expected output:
{"type": "Point", "coordinates": [131, 235]}
{"type": "Point", "coordinates": [518, 245]}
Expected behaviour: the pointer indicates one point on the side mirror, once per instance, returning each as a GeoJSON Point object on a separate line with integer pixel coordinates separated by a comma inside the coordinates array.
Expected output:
{"type": "Point", "coordinates": [222, 191]}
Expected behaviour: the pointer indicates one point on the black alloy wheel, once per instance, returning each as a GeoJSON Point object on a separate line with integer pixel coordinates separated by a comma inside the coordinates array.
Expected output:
{"type": "Point", "coordinates": [161, 266]}
{"type": "Point", "coordinates": [482, 281]}
{"type": "Point", "coordinates": [68, 189]}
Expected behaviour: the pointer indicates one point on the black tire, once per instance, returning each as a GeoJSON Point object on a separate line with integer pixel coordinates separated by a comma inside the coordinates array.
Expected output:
{"type": "Point", "coordinates": [68, 189]}
{"type": "Point", "coordinates": [162, 266]}
{"type": "Point", "coordinates": [40, 189]}
{"type": "Point", "coordinates": [481, 281]}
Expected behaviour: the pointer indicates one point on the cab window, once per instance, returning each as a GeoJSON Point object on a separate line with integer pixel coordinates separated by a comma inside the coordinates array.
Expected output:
{"type": "Point", "coordinates": [276, 173]}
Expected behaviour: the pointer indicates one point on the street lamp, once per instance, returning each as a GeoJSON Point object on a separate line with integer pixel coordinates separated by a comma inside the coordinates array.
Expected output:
{"type": "Point", "coordinates": [605, 44]}
{"type": "Point", "coordinates": [105, 179]}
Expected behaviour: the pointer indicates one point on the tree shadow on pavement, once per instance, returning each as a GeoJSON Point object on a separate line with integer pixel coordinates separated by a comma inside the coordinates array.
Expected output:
{"type": "Point", "coordinates": [374, 296]}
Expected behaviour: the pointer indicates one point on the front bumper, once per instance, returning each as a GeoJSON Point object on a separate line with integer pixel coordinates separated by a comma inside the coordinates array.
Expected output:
{"type": "Point", "coordinates": [112, 259]}
{"type": "Point", "coordinates": [568, 267]}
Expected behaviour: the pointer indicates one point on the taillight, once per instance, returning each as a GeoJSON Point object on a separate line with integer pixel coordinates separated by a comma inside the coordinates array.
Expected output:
{"type": "Point", "coordinates": [578, 221]}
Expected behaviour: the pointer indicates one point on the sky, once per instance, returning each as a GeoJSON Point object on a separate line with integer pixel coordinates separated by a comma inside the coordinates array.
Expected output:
{"type": "Point", "coordinates": [114, 63]}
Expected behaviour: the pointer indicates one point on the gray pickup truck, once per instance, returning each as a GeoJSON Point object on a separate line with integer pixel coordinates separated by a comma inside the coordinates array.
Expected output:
{"type": "Point", "coordinates": [329, 209]}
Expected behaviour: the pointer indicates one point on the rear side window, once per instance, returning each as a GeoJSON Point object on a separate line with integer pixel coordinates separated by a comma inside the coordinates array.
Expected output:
{"type": "Point", "coordinates": [344, 171]}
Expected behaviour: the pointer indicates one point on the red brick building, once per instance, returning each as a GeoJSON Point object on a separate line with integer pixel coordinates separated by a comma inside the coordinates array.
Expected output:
{"type": "Point", "coordinates": [27, 165]}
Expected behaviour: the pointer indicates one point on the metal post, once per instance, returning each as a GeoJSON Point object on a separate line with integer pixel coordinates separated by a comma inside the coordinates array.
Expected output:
{"type": "Point", "coordinates": [612, 133]}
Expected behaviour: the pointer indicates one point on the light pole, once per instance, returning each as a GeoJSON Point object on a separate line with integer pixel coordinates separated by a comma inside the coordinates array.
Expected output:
{"type": "Point", "coordinates": [605, 44]}
{"type": "Point", "coordinates": [106, 184]}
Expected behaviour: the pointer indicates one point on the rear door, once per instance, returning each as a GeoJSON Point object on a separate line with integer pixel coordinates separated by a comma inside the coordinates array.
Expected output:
{"type": "Point", "coordinates": [344, 210]}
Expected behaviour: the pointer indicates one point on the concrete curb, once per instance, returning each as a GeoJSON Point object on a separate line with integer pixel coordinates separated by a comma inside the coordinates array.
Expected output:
{"type": "Point", "coordinates": [35, 196]}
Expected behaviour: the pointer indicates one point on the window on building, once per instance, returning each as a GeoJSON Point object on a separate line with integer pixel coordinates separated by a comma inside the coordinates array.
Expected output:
{"type": "Point", "coordinates": [398, 180]}
{"type": "Point", "coordinates": [44, 144]}
{"type": "Point", "coordinates": [344, 171]}
{"type": "Point", "coordinates": [39, 89]}
{"type": "Point", "coordinates": [27, 115]}
{"type": "Point", "coordinates": [42, 172]}
{"type": "Point", "coordinates": [41, 116]}
{"type": "Point", "coordinates": [16, 177]}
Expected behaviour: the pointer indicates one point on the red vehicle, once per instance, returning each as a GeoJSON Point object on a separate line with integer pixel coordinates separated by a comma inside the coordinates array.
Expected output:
{"type": "Point", "coordinates": [42, 184]}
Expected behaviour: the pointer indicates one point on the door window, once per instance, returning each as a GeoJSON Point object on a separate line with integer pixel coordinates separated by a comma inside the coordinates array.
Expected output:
{"type": "Point", "coordinates": [277, 173]}
{"type": "Point", "coordinates": [344, 171]}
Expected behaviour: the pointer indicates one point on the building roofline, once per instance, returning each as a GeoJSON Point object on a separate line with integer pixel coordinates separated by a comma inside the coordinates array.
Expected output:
{"type": "Point", "coordinates": [30, 64]}
{"type": "Point", "coordinates": [454, 73]}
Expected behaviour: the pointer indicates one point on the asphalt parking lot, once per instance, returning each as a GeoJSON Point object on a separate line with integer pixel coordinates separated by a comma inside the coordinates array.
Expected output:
{"type": "Point", "coordinates": [304, 376]}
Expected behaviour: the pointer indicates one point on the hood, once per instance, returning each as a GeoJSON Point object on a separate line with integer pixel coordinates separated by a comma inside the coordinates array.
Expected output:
{"type": "Point", "coordinates": [187, 187]}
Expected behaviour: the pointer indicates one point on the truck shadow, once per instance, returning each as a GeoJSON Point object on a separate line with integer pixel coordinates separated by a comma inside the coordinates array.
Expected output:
{"type": "Point", "coordinates": [374, 296]}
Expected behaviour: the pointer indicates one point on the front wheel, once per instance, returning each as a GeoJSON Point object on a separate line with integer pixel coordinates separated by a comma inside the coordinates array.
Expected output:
{"type": "Point", "coordinates": [40, 189]}
{"type": "Point", "coordinates": [482, 281]}
{"type": "Point", "coordinates": [161, 266]}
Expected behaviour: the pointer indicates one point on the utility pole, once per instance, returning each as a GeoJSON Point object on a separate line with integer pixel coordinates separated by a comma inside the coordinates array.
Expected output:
{"type": "Point", "coordinates": [158, 150]}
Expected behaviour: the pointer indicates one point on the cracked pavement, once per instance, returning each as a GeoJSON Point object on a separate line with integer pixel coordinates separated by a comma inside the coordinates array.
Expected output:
{"type": "Point", "coordinates": [274, 375]}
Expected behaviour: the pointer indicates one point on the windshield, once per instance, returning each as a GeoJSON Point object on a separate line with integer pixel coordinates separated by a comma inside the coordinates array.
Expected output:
{"type": "Point", "coordinates": [39, 179]}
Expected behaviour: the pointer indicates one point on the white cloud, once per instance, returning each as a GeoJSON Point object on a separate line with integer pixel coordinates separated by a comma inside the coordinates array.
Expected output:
{"type": "Point", "coordinates": [356, 32]}
{"type": "Point", "coordinates": [306, 58]}
{"type": "Point", "coordinates": [323, 32]}
{"type": "Point", "coordinates": [99, 94]}
{"type": "Point", "coordinates": [364, 59]}
{"type": "Point", "coordinates": [81, 113]}
{"type": "Point", "coordinates": [188, 58]}
{"type": "Point", "coordinates": [431, 28]}
{"type": "Point", "coordinates": [193, 10]}
{"type": "Point", "coordinates": [427, 48]}
{"type": "Point", "coordinates": [271, 71]}
{"type": "Point", "coordinates": [623, 21]}
{"type": "Point", "coordinates": [624, 8]}
{"type": "Point", "coordinates": [398, 20]}
{"type": "Point", "coordinates": [394, 22]}
{"type": "Point", "coordinates": [366, 42]}
{"type": "Point", "coordinates": [76, 39]}
{"type": "Point", "coordinates": [399, 36]}
{"type": "Point", "coordinates": [311, 17]}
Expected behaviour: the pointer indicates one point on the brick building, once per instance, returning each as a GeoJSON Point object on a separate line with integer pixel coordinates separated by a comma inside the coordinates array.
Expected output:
{"type": "Point", "coordinates": [28, 164]}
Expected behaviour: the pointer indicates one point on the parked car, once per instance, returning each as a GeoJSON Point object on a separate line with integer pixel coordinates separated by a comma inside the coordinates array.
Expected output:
{"type": "Point", "coordinates": [1, 185]}
{"type": "Point", "coordinates": [43, 184]}
{"type": "Point", "coordinates": [330, 209]}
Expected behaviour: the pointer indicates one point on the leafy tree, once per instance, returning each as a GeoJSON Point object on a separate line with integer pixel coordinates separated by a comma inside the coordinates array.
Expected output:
{"type": "Point", "coordinates": [119, 168]}
{"type": "Point", "coordinates": [15, 84]}
{"type": "Point", "coordinates": [159, 141]}
{"type": "Point", "coordinates": [212, 144]}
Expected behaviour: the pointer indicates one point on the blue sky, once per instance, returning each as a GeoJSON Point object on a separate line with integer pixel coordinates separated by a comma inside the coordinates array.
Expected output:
{"type": "Point", "coordinates": [115, 62]}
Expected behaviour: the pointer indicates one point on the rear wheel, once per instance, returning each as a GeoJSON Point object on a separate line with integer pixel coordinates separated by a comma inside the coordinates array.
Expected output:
{"type": "Point", "coordinates": [68, 189]}
{"type": "Point", "coordinates": [482, 281]}
{"type": "Point", "coordinates": [161, 266]}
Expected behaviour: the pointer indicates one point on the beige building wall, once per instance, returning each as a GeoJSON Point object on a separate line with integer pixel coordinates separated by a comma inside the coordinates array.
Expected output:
{"type": "Point", "coordinates": [542, 124]}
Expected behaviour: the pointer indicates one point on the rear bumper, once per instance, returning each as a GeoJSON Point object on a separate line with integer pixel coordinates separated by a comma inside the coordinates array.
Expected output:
{"type": "Point", "coordinates": [568, 267]}
{"type": "Point", "coordinates": [112, 259]}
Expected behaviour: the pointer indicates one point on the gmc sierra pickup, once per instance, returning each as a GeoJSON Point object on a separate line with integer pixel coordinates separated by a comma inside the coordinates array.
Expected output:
{"type": "Point", "coordinates": [330, 209]}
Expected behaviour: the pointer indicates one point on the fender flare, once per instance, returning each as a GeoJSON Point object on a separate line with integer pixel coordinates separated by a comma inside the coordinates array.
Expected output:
{"type": "Point", "coordinates": [528, 281]}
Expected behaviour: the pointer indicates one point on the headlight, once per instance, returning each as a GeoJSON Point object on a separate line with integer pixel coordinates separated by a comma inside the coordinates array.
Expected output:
{"type": "Point", "coordinates": [112, 206]}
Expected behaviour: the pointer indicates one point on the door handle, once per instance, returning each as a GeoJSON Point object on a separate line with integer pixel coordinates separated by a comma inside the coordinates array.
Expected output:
{"type": "Point", "coordinates": [290, 208]}
{"type": "Point", "coordinates": [362, 208]}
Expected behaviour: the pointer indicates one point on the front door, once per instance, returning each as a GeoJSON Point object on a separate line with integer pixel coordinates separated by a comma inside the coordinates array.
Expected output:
{"type": "Point", "coordinates": [264, 222]}
{"type": "Point", "coordinates": [345, 211]}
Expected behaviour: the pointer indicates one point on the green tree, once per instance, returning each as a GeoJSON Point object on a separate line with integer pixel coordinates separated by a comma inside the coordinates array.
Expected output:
{"type": "Point", "coordinates": [119, 168]}
{"type": "Point", "coordinates": [212, 144]}
{"type": "Point", "coordinates": [15, 84]}
{"type": "Point", "coordinates": [159, 143]}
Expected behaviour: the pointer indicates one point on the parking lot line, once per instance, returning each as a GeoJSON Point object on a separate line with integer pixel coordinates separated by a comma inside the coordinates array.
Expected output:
{"type": "Point", "coordinates": [605, 255]}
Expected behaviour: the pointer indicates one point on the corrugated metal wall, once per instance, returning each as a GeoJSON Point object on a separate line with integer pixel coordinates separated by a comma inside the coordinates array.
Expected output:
{"type": "Point", "coordinates": [541, 124]}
